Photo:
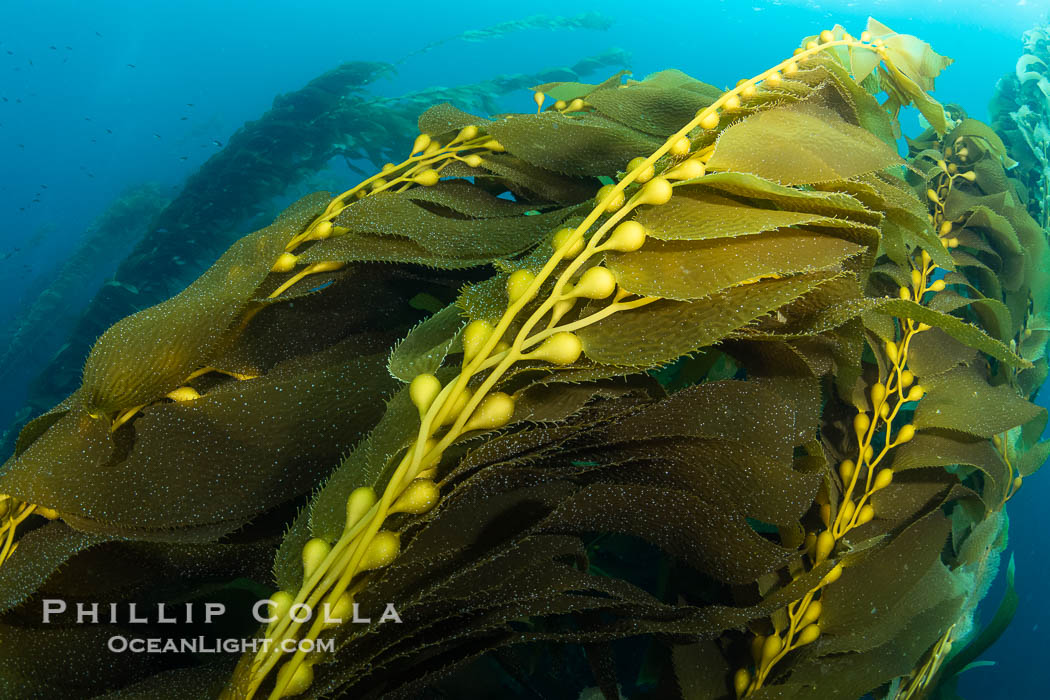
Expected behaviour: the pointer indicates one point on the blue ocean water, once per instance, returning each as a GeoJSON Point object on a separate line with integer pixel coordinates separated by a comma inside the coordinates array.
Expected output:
{"type": "Point", "coordinates": [102, 95]}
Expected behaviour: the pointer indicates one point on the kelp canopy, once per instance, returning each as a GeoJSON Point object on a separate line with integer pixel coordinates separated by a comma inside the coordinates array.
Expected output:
{"type": "Point", "coordinates": [666, 390]}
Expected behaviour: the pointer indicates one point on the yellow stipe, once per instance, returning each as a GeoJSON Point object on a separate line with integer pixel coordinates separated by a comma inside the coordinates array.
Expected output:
{"type": "Point", "coordinates": [124, 416]}
{"type": "Point", "coordinates": [314, 269]}
{"type": "Point", "coordinates": [17, 512]}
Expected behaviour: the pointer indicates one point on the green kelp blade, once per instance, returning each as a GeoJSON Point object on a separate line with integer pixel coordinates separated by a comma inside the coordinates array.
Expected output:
{"type": "Point", "coordinates": [933, 586]}
{"type": "Point", "coordinates": [696, 269]}
{"type": "Point", "coordinates": [962, 331]}
{"type": "Point", "coordinates": [666, 330]}
{"type": "Point", "coordinates": [300, 325]}
{"type": "Point", "coordinates": [814, 144]}
{"type": "Point", "coordinates": [855, 103]}
{"type": "Point", "coordinates": [776, 420]}
{"type": "Point", "coordinates": [696, 213]}
{"type": "Point", "coordinates": [425, 347]}
{"type": "Point", "coordinates": [975, 128]}
{"type": "Point", "coordinates": [587, 145]}
{"type": "Point", "coordinates": [569, 90]}
{"type": "Point", "coordinates": [651, 110]}
{"type": "Point", "coordinates": [462, 198]}
{"type": "Point", "coordinates": [444, 118]}
{"type": "Point", "coordinates": [41, 424]}
{"type": "Point", "coordinates": [530, 182]}
{"type": "Point", "coordinates": [833, 204]}
{"type": "Point", "coordinates": [961, 399]}
{"type": "Point", "coordinates": [398, 228]}
{"type": "Point", "coordinates": [933, 351]}
{"type": "Point", "coordinates": [993, 315]}
{"type": "Point", "coordinates": [826, 308]}
{"type": "Point", "coordinates": [148, 354]}
{"type": "Point", "coordinates": [735, 477]}
{"type": "Point", "coordinates": [932, 448]}
{"type": "Point", "coordinates": [722, 543]}
{"type": "Point", "coordinates": [365, 465]}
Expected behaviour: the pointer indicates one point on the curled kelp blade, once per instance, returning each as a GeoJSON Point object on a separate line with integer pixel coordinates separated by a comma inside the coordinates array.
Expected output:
{"type": "Point", "coordinates": [312, 414]}
{"type": "Point", "coordinates": [150, 353]}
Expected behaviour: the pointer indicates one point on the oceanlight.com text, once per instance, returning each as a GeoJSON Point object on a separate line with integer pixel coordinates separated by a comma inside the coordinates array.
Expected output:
{"type": "Point", "coordinates": [120, 644]}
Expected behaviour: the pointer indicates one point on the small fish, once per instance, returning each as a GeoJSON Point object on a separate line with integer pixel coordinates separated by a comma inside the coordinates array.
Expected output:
{"type": "Point", "coordinates": [87, 119]}
{"type": "Point", "coordinates": [44, 187]}
{"type": "Point", "coordinates": [109, 131]}
{"type": "Point", "coordinates": [97, 34]}
{"type": "Point", "coordinates": [130, 65]}
{"type": "Point", "coordinates": [156, 136]}
{"type": "Point", "coordinates": [183, 157]}
{"type": "Point", "coordinates": [182, 119]}
{"type": "Point", "coordinates": [10, 52]}
{"type": "Point", "coordinates": [189, 104]}
{"type": "Point", "coordinates": [217, 142]}
{"type": "Point", "coordinates": [53, 48]}
{"type": "Point", "coordinates": [5, 99]}
{"type": "Point", "coordinates": [69, 48]}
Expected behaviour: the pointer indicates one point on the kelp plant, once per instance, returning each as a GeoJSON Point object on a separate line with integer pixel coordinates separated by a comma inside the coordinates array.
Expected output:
{"type": "Point", "coordinates": [728, 386]}
{"type": "Point", "coordinates": [1020, 112]}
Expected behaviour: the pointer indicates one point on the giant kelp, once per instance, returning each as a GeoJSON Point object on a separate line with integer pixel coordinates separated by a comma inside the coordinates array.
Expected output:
{"type": "Point", "coordinates": [711, 378]}
{"type": "Point", "coordinates": [1020, 111]}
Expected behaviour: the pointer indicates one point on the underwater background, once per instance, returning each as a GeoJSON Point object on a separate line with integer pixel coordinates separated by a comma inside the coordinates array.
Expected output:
{"type": "Point", "coordinates": [122, 102]}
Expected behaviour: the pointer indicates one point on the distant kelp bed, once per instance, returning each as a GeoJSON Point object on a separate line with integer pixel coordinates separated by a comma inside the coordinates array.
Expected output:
{"type": "Point", "coordinates": [663, 391]}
